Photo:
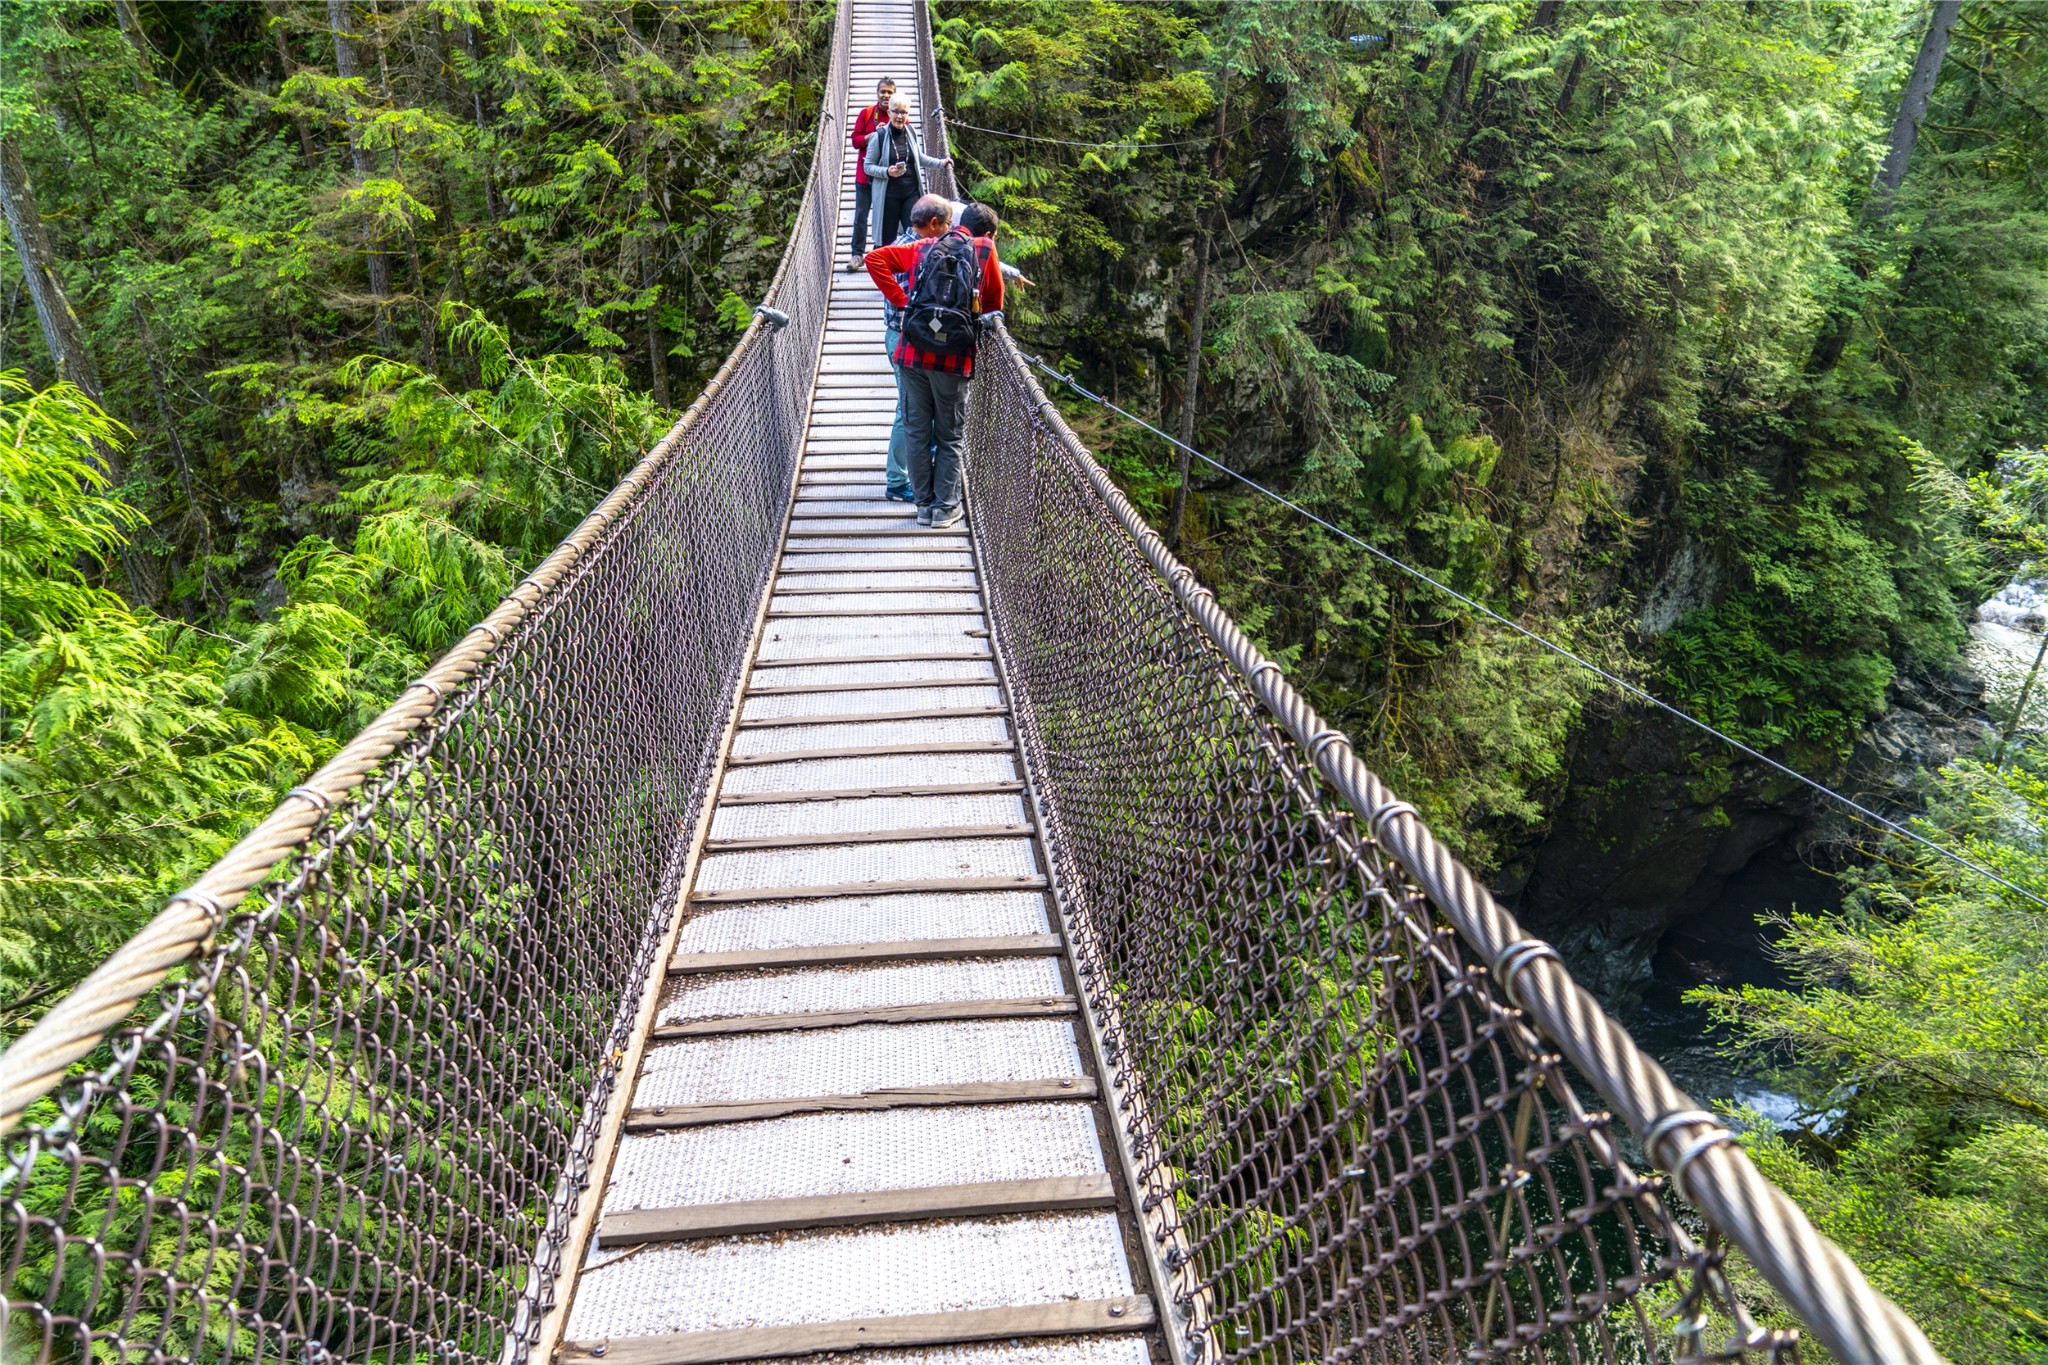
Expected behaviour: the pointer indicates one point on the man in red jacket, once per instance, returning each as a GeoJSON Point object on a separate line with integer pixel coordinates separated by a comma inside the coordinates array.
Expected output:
{"type": "Point", "coordinates": [865, 123]}
{"type": "Point", "coordinates": [934, 385]}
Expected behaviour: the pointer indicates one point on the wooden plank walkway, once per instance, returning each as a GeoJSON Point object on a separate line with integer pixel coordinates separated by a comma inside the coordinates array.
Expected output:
{"type": "Point", "coordinates": [866, 1118]}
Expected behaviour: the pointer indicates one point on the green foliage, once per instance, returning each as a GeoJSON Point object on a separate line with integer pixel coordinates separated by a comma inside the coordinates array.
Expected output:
{"type": "Point", "coordinates": [133, 747]}
{"type": "Point", "coordinates": [1918, 1027]}
{"type": "Point", "coordinates": [1543, 310]}
{"type": "Point", "coordinates": [122, 769]}
{"type": "Point", "coordinates": [599, 178]}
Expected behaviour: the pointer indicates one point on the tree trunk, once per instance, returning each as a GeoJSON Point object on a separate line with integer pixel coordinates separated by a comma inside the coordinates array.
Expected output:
{"type": "Point", "coordinates": [473, 45]}
{"type": "Point", "coordinates": [1546, 15]}
{"type": "Point", "coordinates": [1835, 329]}
{"type": "Point", "coordinates": [2019, 710]}
{"type": "Point", "coordinates": [65, 335]}
{"type": "Point", "coordinates": [284, 73]}
{"type": "Point", "coordinates": [1912, 110]}
{"type": "Point", "coordinates": [1571, 83]}
{"type": "Point", "coordinates": [657, 340]}
{"type": "Point", "coordinates": [365, 162]}
{"type": "Point", "coordinates": [1457, 83]}
{"type": "Point", "coordinates": [1192, 389]}
{"type": "Point", "coordinates": [131, 29]}
{"type": "Point", "coordinates": [70, 356]}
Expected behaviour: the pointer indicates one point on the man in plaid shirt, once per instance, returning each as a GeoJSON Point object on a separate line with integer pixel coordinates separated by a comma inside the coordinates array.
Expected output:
{"type": "Point", "coordinates": [934, 386]}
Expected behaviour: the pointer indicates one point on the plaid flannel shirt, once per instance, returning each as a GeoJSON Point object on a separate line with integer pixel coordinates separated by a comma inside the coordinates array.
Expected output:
{"type": "Point", "coordinates": [886, 263]}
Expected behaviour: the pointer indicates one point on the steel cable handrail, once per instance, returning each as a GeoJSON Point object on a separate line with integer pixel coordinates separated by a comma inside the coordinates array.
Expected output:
{"type": "Point", "coordinates": [1821, 1285]}
{"type": "Point", "coordinates": [1708, 1168]}
{"type": "Point", "coordinates": [1349, 1084]}
{"type": "Point", "coordinates": [312, 1010]}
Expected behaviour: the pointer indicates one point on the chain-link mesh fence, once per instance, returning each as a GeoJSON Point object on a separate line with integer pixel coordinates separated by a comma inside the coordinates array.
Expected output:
{"type": "Point", "coordinates": [1339, 1068]}
{"type": "Point", "coordinates": [355, 1124]}
{"type": "Point", "coordinates": [1360, 1111]}
{"type": "Point", "coordinates": [1341, 1072]}
{"type": "Point", "coordinates": [1364, 1112]}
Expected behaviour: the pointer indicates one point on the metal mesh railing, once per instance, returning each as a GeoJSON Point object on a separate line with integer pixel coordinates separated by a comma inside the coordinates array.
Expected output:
{"type": "Point", "coordinates": [341, 1099]}
{"type": "Point", "coordinates": [1368, 1115]}
{"type": "Point", "coordinates": [1364, 1112]}
{"type": "Point", "coordinates": [356, 1119]}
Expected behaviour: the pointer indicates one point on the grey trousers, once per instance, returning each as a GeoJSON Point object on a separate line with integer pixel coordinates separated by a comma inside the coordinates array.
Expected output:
{"type": "Point", "coordinates": [935, 422]}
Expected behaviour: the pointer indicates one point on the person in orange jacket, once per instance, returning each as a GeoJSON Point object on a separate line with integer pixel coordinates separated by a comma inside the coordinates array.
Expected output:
{"type": "Point", "coordinates": [935, 378]}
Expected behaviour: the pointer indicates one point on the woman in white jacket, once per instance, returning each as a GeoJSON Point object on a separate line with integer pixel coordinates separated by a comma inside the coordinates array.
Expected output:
{"type": "Point", "coordinates": [896, 161]}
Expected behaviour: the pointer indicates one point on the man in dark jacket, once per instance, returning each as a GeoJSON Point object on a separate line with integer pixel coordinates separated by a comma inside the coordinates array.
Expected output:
{"type": "Point", "coordinates": [934, 385]}
{"type": "Point", "coordinates": [865, 123]}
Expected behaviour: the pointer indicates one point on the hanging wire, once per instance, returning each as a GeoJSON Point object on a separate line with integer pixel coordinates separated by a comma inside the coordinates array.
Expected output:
{"type": "Point", "coordinates": [1615, 680]}
{"type": "Point", "coordinates": [952, 122]}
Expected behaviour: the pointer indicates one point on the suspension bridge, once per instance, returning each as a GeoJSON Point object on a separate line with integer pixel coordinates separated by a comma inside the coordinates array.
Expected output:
{"type": "Point", "coordinates": [778, 930]}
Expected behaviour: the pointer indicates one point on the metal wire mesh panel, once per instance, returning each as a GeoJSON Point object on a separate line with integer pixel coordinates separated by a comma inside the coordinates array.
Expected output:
{"type": "Point", "coordinates": [1351, 1144]}
{"type": "Point", "coordinates": [1350, 1137]}
{"type": "Point", "coordinates": [356, 1123]}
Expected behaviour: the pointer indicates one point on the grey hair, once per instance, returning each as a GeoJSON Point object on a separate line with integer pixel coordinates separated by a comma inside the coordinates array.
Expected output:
{"type": "Point", "coordinates": [929, 209]}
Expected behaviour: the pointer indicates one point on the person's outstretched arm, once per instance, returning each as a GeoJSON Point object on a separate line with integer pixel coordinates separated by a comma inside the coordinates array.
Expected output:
{"type": "Point", "coordinates": [884, 263]}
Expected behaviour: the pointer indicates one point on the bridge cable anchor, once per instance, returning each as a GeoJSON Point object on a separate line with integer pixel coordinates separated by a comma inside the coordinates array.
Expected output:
{"type": "Point", "coordinates": [1670, 1123]}
{"type": "Point", "coordinates": [1513, 959]}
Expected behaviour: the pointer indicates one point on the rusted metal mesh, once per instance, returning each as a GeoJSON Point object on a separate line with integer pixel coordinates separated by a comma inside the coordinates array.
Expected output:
{"type": "Point", "coordinates": [357, 1124]}
{"type": "Point", "coordinates": [1351, 1144]}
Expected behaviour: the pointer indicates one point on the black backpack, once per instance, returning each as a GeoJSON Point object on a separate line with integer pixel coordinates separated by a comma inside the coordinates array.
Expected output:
{"type": "Point", "coordinates": [940, 315]}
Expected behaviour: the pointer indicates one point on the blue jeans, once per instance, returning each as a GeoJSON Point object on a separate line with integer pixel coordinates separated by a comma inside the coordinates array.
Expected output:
{"type": "Point", "coordinates": [935, 415]}
{"type": "Point", "coordinates": [898, 473]}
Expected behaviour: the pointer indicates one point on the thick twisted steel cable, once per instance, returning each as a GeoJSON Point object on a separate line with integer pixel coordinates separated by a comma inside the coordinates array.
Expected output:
{"type": "Point", "coordinates": [1821, 1285]}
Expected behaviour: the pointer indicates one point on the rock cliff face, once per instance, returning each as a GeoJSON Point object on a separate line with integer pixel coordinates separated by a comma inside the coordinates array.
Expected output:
{"type": "Point", "coordinates": [1663, 845]}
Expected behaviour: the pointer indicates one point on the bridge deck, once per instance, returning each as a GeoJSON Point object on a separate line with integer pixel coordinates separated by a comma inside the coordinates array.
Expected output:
{"type": "Point", "coordinates": [866, 1116]}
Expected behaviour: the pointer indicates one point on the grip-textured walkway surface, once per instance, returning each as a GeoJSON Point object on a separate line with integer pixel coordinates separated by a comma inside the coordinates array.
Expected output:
{"type": "Point", "coordinates": [866, 1118]}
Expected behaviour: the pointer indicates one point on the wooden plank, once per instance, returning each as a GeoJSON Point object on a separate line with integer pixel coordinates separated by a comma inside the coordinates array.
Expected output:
{"type": "Point", "coordinates": [846, 954]}
{"type": "Point", "coordinates": [940, 1012]}
{"type": "Point", "coordinates": [915, 532]}
{"type": "Point", "coordinates": [894, 685]}
{"type": "Point", "coordinates": [828, 890]}
{"type": "Point", "coordinates": [1073, 1317]}
{"type": "Point", "coordinates": [829, 613]}
{"type": "Point", "coordinates": [874, 836]}
{"type": "Point", "coordinates": [872, 659]}
{"type": "Point", "coordinates": [986, 1199]}
{"type": "Point", "coordinates": [862, 793]}
{"type": "Point", "coordinates": [873, 568]}
{"type": "Point", "coordinates": [659, 1117]}
{"type": "Point", "coordinates": [862, 717]}
{"type": "Point", "coordinates": [781, 590]}
{"type": "Point", "coordinates": [965, 746]}
{"type": "Point", "coordinates": [895, 511]}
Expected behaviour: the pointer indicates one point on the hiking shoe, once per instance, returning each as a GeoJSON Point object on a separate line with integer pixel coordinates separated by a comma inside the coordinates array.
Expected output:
{"type": "Point", "coordinates": [900, 494]}
{"type": "Point", "coordinates": [942, 517]}
{"type": "Point", "coordinates": [855, 266]}
{"type": "Point", "coordinates": [924, 516]}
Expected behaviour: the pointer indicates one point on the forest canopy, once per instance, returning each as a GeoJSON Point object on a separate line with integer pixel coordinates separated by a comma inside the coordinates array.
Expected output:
{"type": "Point", "coordinates": [1678, 332]}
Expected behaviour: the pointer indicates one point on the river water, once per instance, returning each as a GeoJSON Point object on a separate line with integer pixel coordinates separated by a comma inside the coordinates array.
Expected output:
{"type": "Point", "coordinates": [1729, 945]}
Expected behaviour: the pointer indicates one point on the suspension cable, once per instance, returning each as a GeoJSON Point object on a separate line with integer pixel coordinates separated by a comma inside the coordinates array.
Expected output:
{"type": "Point", "coordinates": [952, 122]}
{"type": "Point", "coordinates": [1613, 679]}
